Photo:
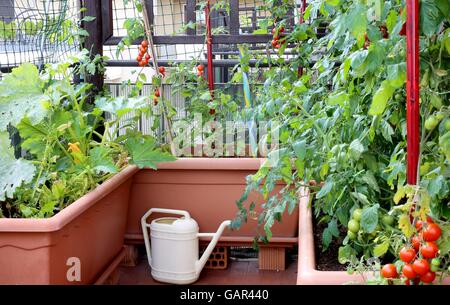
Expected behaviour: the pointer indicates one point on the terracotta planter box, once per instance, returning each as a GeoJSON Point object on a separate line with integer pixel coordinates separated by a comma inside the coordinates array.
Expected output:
{"type": "Point", "coordinates": [36, 251]}
{"type": "Point", "coordinates": [208, 188]}
{"type": "Point", "coordinates": [307, 273]}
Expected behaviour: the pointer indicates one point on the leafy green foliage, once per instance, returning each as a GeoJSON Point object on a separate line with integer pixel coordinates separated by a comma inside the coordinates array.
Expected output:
{"type": "Point", "coordinates": [143, 152]}
{"type": "Point", "coordinates": [344, 119]}
{"type": "Point", "coordinates": [66, 155]}
{"type": "Point", "coordinates": [13, 173]}
{"type": "Point", "coordinates": [16, 91]}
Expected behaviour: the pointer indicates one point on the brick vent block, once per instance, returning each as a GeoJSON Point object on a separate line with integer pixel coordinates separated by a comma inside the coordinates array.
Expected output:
{"type": "Point", "coordinates": [218, 259]}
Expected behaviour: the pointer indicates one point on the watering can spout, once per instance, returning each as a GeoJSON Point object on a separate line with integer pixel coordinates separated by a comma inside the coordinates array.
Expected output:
{"type": "Point", "coordinates": [215, 238]}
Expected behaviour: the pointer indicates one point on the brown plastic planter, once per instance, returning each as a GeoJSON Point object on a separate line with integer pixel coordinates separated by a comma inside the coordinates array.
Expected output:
{"type": "Point", "coordinates": [208, 188]}
{"type": "Point", "coordinates": [307, 273]}
{"type": "Point", "coordinates": [35, 251]}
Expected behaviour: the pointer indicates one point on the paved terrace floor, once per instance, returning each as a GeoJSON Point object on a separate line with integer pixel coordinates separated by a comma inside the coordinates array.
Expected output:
{"type": "Point", "coordinates": [239, 272]}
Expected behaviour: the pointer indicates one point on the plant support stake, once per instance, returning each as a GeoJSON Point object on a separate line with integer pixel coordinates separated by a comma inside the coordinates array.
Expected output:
{"type": "Point", "coordinates": [149, 36]}
{"type": "Point", "coordinates": [302, 12]}
{"type": "Point", "coordinates": [209, 48]}
{"type": "Point", "coordinates": [412, 89]}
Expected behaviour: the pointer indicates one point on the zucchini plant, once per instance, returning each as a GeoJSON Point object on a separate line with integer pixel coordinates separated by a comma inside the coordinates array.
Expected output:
{"type": "Point", "coordinates": [65, 154]}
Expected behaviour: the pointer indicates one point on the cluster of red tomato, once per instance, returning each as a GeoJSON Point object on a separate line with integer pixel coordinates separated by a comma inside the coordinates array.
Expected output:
{"type": "Point", "coordinates": [277, 40]}
{"type": "Point", "coordinates": [157, 94]}
{"type": "Point", "coordinates": [420, 257]}
{"type": "Point", "coordinates": [200, 70]}
{"type": "Point", "coordinates": [143, 57]}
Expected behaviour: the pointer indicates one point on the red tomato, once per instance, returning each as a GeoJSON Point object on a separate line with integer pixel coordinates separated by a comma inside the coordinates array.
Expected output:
{"type": "Point", "coordinates": [430, 250]}
{"type": "Point", "coordinates": [407, 254]}
{"type": "Point", "coordinates": [419, 224]}
{"type": "Point", "coordinates": [429, 219]}
{"type": "Point", "coordinates": [432, 232]}
{"type": "Point", "coordinates": [147, 57]}
{"type": "Point", "coordinates": [212, 111]}
{"type": "Point", "coordinates": [281, 30]}
{"type": "Point", "coordinates": [155, 101]}
{"type": "Point", "coordinates": [275, 44]}
{"type": "Point", "coordinates": [384, 31]}
{"type": "Point", "coordinates": [389, 271]}
{"type": "Point", "coordinates": [200, 67]}
{"type": "Point", "coordinates": [144, 44]}
{"type": "Point", "coordinates": [428, 277]}
{"type": "Point", "coordinates": [142, 50]}
{"type": "Point", "coordinates": [421, 266]}
{"type": "Point", "coordinates": [416, 240]}
{"type": "Point", "coordinates": [409, 272]}
{"type": "Point", "coordinates": [139, 58]}
{"type": "Point", "coordinates": [162, 70]}
{"type": "Point", "coordinates": [157, 93]}
{"type": "Point", "coordinates": [403, 30]}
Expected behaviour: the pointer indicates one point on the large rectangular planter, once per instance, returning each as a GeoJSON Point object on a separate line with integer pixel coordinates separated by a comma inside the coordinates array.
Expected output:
{"type": "Point", "coordinates": [208, 189]}
{"type": "Point", "coordinates": [90, 231]}
{"type": "Point", "coordinates": [307, 272]}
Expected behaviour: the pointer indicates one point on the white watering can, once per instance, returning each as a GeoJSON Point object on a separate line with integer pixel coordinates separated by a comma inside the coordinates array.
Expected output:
{"type": "Point", "coordinates": [173, 256]}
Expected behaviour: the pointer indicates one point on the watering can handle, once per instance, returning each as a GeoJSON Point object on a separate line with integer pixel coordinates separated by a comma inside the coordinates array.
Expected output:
{"type": "Point", "coordinates": [146, 226]}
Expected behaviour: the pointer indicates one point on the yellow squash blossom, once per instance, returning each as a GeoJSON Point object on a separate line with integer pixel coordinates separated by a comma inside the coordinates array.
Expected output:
{"type": "Point", "coordinates": [75, 152]}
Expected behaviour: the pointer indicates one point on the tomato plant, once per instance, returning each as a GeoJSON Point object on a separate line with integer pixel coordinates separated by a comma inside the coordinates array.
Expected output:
{"type": "Point", "coordinates": [343, 123]}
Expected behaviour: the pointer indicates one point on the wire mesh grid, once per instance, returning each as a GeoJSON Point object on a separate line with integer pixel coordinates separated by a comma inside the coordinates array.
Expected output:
{"type": "Point", "coordinates": [37, 31]}
{"type": "Point", "coordinates": [170, 19]}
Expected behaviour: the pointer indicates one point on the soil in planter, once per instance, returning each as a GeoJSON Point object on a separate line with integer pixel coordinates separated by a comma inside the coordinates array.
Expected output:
{"type": "Point", "coordinates": [327, 260]}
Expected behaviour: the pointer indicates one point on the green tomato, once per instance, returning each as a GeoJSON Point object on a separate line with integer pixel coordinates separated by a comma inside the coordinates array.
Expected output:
{"type": "Point", "coordinates": [436, 101]}
{"type": "Point", "coordinates": [431, 123]}
{"type": "Point", "coordinates": [388, 220]}
{"type": "Point", "coordinates": [434, 268]}
{"type": "Point", "coordinates": [357, 214]}
{"type": "Point", "coordinates": [436, 261]}
{"type": "Point", "coordinates": [353, 226]}
{"type": "Point", "coordinates": [351, 235]}
{"type": "Point", "coordinates": [439, 116]}
{"type": "Point", "coordinates": [425, 168]}
{"type": "Point", "coordinates": [447, 124]}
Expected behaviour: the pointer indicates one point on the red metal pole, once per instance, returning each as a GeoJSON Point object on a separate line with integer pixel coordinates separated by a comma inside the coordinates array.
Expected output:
{"type": "Point", "coordinates": [412, 89]}
{"type": "Point", "coordinates": [209, 48]}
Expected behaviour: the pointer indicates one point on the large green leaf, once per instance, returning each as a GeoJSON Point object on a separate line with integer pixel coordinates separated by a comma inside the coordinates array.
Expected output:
{"type": "Point", "coordinates": [369, 218]}
{"type": "Point", "coordinates": [36, 136]}
{"type": "Point", "coordinates": [357, 21]}
{"type": "Point", "coordinates": [101, 160]}
{"type": "Point", "coordinates": [431, 16]}
{"type": "Point", "coordinates": [444, 143]}
{"type": "Point", "coordinates": [346, 254]}
{"type": "Point", "coordinates": [120, 106]}
{"type": "Point", "coordinates": [330, 231]}
{"type": "Point", "coordinates": [381, 249]}
{"type": "Point", "coordinates": [13, 172]}
{"type": "Point", "coordinates": [21, 94]}
{"type": "Point", "coordinates": [356, 149]}
{"type": "Point", "coordinates": [326, 188]}
{"type": "Point", "coordinates": [144, 154]}
{"type": "Point", "coordinates": [380, 98]}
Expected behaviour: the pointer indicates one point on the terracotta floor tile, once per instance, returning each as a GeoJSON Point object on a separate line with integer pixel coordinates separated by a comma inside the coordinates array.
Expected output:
{"type": "Point", "coordinates": [237, 273]}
